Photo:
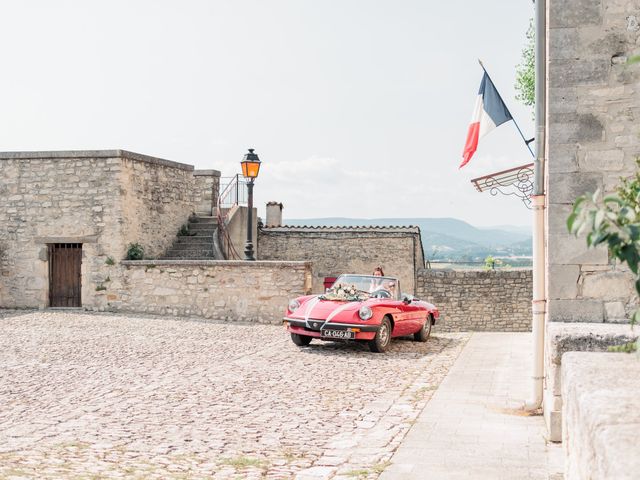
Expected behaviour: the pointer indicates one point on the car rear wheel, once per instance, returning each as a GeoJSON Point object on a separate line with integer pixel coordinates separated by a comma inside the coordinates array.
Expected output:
{"type": "Point", "coordinates": [383, 337]}
{"type": "Point", "coordinates": [300, 340]}
{"type": "Point", "coordinates": [423, 334]}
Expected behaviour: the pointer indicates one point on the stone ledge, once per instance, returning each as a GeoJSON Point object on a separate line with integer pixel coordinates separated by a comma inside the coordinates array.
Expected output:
{"type": "Point", "coordinates": [61, 154]}
{"type": "Point", "coordinates": [585, 337]}
{"type": "Point", "coordinates": [215, 263]}
{"type": "Point", "coordinates": [601, 418]}
{"type": "Point", "coordinates": [339, 229]}
{"type": "Point", "coordinates": [206, 173]}
{"type": "Point", "coordinates": [573, 337]}
{"type": "Point", "coordinates": [515, 272]}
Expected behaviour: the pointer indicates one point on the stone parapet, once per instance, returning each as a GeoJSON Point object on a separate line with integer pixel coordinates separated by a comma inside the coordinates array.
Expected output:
{"type": "Point", "coordinates": [479, 300]}
{"type": "Point", "coordinates": [232, 291]}
{"type": "Point", "coordinates": [206, 189]}
{"type": "Point", "coordinates": [600, 416]}
{"type": "Point", "coordinates": [338, 250]}
{"type": "Point", "coordinates": [80, 154]}
{"type": "Point", "coordinates": [573, 337]}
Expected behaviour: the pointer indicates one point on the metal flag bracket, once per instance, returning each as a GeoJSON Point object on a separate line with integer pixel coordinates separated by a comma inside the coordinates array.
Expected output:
{"type": "Point", "coordinates": [516, 181]}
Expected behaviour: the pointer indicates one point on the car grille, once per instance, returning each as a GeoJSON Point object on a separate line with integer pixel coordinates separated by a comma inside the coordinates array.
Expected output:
{"type": "Point", "coordinates": [315, 325]}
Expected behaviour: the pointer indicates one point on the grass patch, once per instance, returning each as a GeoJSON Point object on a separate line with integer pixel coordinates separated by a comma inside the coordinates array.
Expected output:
{"type": "Point", "coordinates": [291, 456]}
{"type": "Point", "coordinates": [244, 462]}
{"type": "Point", "coordinates": [380, 467]}
{"type": "Point", "coordinates": [363, 472]}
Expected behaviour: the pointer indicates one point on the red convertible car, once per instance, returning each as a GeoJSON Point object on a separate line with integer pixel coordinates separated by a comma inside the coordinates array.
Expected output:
{"type": "Point", "coordinates": [362, 308]}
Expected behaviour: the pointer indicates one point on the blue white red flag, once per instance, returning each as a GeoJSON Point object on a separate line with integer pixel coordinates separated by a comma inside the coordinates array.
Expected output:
{"type": "Point", "coordinates": [489, 112]}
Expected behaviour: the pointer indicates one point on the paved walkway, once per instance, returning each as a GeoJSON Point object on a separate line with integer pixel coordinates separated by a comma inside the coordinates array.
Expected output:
{"type": "Point", "coordinates": [471, 429]}
{"type": "Point", "coordinates": [116, 396]}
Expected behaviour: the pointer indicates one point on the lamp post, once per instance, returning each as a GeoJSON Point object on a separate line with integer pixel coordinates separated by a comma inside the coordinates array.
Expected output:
{"type": "Point", "coordinates": [250, 169]}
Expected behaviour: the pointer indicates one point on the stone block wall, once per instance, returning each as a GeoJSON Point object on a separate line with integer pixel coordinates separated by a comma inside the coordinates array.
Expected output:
{"type": "Point", "coordinates": [562, 338]}
{"type": "Point", "coordinates": [48, 198]}
{"type": "Point", "coordinates": [103, 199]}
{"type": "Point", "coordinates": [233, 291]}
{"type": "Point", "coordinates": [157, 197]}
{"type": "Point", "coordinates": [337, 250]}
{"type": "Point", "coordinates": [473, 300]}
{"type": "Point", "coordinates": [592, 132]}
{"type": "Point", "coordinates": [207, 188]}
{"type": "Point", "coordinates": [600, 416]}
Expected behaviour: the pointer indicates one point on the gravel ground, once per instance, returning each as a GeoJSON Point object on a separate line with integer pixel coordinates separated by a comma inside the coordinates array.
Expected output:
{"type": "Point", "coordinates": [113, 396]}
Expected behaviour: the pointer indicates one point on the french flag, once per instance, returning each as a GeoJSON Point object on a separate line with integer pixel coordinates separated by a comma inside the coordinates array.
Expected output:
{"type": "Point", "coordinates": [489, 112]}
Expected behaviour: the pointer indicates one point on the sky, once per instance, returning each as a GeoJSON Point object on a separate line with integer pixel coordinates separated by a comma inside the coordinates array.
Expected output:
{"type": "Point", "coordinates": [357, 108]}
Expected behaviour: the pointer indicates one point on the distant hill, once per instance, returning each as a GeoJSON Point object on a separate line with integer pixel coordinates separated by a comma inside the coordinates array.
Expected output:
{"type": "Point", "coordinates": [446, 238]}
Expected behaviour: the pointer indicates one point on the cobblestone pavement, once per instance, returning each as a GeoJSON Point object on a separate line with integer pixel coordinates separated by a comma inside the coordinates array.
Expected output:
{"type": "Point", "coordinates": [106, 396]}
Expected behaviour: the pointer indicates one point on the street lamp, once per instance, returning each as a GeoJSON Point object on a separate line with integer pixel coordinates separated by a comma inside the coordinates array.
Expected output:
{"type": "Point", "coordinates": [250, 169]}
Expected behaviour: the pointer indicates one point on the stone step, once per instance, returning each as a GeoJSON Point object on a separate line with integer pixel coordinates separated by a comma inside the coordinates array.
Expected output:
{"type": "Point", "coordinates": [203, 220]}
{"type": "Point", "coordinates": [199, 253]}
{"type": "Point", "coordinates": [192, 246]}
{"type": "Point", "coordinates": [196, 227]}
{"type": "Point", "coordinates": [200, 233]}
{"type": "Point", "coordinates": [194, 240]}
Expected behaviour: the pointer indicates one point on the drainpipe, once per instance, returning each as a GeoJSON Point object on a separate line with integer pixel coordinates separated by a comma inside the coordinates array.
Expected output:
{"type": "Point", "coordinates": [538, 199]}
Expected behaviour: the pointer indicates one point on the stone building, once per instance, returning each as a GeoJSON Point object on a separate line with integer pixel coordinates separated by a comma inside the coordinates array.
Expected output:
{"type": "Point", "coordinates": [592, 133]}
{"type": "Point", "coordinates": [68, 216]}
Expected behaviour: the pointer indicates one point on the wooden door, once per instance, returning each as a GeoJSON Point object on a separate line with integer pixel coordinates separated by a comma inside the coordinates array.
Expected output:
{"type": "Point", "coordinates": [65, 261]}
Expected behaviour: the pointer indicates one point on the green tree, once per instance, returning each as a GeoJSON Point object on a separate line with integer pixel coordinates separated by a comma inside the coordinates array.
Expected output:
{"type": "Point", "coordinates": [525, 71]}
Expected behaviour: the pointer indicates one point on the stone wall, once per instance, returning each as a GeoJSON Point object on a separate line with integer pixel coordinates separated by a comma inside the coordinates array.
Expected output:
{"type": "Point", "coordinates": [561, 338]}
{"type": "Point", "coordinates": [472, 300]}
{"type": "Point", "coordinates": [50, 199]}
{"type": "Point", "coordinates": [233, 291]}
{"type": "Point", "coordinates": [157, 199]}
{"type": "Point", "coordinates": [337, 250]}
{"type": "Point", "coordinates": [593, 141]}
{"type": "Point", "coordinates": [236, 223]}
{"type": "Point", "coordinates": [103, 199]}
{"type": "Point", "coordinates": [601, 416]}
{"type": "Point", "coordinates": [207, 188]}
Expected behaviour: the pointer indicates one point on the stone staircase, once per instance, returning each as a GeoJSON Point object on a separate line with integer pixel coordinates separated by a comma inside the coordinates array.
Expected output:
{"type": "Point", "coordinates": [199, 243]}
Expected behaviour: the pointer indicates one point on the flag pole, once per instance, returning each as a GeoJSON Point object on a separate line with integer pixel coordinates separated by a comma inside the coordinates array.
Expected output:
{"type": "Point", "coordinates": [526, 142]}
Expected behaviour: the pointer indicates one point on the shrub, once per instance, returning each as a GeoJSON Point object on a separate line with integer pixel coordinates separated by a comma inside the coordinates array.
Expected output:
{"type": "Point", "coordinates": [184, 231]}
{"type": "Point", "coordinates": [135, 252]}
{"type": "Point", "coordinates": [110, 261]}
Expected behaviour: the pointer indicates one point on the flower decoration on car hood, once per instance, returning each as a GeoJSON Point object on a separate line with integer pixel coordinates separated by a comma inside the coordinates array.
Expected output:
{"type": "Point", "coordinates": [345, 293]}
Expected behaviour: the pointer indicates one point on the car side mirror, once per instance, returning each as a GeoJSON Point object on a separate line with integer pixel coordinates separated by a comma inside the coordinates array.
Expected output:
{"type": "Point", "coordinates": [407, 300]}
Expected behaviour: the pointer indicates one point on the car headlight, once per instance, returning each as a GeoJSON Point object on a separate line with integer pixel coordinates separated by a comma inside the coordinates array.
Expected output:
{"type": "Point", "coordinates": [365, 312]}
{"type": "Point", "coordinates": [294, 305]}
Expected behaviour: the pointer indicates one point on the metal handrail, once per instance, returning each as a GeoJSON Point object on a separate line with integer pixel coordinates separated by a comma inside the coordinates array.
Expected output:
{"type": "Point", "coordinates": [231, 196]}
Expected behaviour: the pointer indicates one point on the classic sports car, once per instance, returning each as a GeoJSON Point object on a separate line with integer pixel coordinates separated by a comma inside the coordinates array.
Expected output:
{"type": "Point", "coordinates": [362, 308]}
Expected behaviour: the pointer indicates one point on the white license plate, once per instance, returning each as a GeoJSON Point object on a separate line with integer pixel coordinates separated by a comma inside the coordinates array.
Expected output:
{"type": "Point", "coordinates": [345, 334]}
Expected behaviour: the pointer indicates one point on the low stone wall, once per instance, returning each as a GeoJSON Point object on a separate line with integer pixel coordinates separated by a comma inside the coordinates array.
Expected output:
{"type": "Point", "coordinates": [601, 416]}
{"type": "Point", "coordinates": [473, 300]}
{"type": "Point", "coordinates": [233, 291]}
{"type": "Point", "coordinates": [561, 338]}
{"type": "Point", "coordinates": [337, 250]}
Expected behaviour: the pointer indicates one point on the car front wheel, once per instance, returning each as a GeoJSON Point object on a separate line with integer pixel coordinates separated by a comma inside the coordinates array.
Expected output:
{"type": "Point", "coordinates": [383, 337]}
{"type": "Point", "coordinates": [423, 334]}
{"type": "Point", "coordinates": [300, 340]}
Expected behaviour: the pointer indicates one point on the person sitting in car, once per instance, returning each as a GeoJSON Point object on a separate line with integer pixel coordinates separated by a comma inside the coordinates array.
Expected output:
{"type": "Point", "coordinates": [376, 283]}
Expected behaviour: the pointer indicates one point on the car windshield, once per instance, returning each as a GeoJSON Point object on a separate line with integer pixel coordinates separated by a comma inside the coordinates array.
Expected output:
{"type": "Point", "coordinates": [383, 287]}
